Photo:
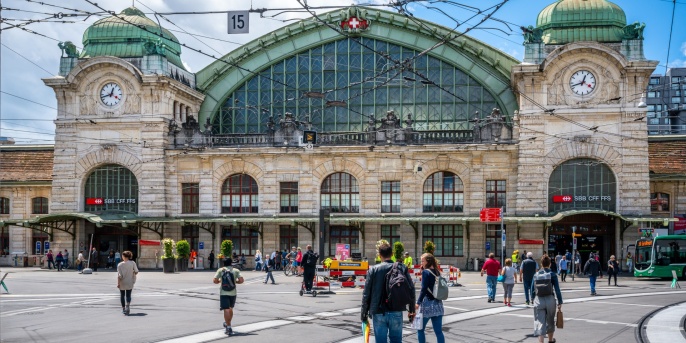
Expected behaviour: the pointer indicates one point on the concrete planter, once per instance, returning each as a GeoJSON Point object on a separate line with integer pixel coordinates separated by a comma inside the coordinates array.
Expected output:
{"type": "Point", "coordinates": [168, 265]}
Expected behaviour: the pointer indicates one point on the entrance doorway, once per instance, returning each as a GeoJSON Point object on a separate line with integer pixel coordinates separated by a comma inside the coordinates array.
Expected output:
{"type": "Point", "coordinates": [597, 235]}
{"type": "Point", "coordinates": [112, 238]}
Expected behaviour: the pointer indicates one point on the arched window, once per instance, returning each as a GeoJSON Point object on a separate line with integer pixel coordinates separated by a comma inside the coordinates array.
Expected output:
{"type": "Point", "coordinates": [443, 192]}
{"type": "Point", "coordinates": [40, 205]}
{"type": "Point", "coordinates": [4, 206]}
{"type": "Point", "coordinates": [582, 183]}
{"type": "Point", "coordinates": [340, 193]}
{"type": "Point", "coordinates": [239, 194]}
{"type": "Point", "coordinates": [111, 187]}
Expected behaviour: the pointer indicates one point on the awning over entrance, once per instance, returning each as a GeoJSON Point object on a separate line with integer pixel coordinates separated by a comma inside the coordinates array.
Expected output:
{"type": "Point", "coordinates": [126, 219]}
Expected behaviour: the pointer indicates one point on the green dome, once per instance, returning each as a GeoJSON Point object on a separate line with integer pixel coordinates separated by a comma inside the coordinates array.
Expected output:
{"type": "Point", "coordinates": [127, 38]}
{"type": "Point", "coordinates": [568, 21]}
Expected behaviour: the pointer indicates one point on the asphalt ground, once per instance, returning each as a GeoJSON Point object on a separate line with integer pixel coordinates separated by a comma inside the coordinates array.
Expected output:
{"type": "Point", "coordinates": [50, 306]}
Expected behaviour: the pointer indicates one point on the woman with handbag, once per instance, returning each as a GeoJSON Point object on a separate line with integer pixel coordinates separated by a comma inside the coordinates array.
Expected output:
{"type": "Point", "coordinates": [508, 274]}
{"type": "Point", "coordinates": [546, 286]}
{"type": "Point", "coordinates": [427, 306]}
{"type": "Point", "coordinates": [126, 277]}
{"type": "Point", "coordinates": [258, 261]}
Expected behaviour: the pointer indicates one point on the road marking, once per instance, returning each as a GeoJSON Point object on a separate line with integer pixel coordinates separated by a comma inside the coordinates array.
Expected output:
{"type": "Point", "coordinates": [219, 334]}
{"type": "Point", "coordinates": [328, 314]}
{"type": "Point", "coordinates": [351, 310]}
{"type": "Point", "coordinates": [669, 327]}
{"type": "Point", "coordinates": [592, 321]}
{"type": "Point", "coordinates": [618, 303]}
{"type": "Point", "coordinates": [300, 318]}
{"type": "Point", "coordinates": [456, 308]}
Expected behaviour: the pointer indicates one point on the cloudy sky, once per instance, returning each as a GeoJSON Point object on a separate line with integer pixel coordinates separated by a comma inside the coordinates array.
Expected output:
{"type": "Point", "coordinates": [27, 106]}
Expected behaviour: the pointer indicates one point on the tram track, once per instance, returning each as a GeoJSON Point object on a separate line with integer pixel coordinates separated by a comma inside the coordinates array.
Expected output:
{"type": "Point", "coordinates": [640, 331]}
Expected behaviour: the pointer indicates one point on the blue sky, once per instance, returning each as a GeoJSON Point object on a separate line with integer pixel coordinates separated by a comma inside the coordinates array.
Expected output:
{"type": "Point", "coordinates": [33, 57]}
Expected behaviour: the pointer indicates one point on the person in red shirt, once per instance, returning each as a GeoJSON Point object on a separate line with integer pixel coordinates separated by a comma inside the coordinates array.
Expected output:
{"type": "Point", "coordinates": [492, 269]}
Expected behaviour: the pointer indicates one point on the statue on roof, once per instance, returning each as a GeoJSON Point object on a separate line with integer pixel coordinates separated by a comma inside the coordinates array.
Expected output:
{"type": "Point", "coordinates": [532, 34]}
{"type": "Point", "coordinates": [69, 48]}
{"type": "Point", "coordinates": [155, 48]}
{"type": "Point", "coordinates": [634, 31]}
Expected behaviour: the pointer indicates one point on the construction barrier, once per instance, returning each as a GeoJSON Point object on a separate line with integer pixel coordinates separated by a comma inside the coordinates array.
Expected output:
{"type": "Point", "coordinates": [325, 274]}
{"type": "Point", "coordinates": [450, 273]}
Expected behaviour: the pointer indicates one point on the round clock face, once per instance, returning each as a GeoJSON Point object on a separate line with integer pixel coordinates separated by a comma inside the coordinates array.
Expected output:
{"type": "Point", "coordinates": [582, 82]}
{"type": "Point", "coordinates": [111, 94]}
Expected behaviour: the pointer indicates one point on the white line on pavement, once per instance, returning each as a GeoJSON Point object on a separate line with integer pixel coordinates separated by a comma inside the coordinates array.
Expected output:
{"type": "Point", "coordinates": [219, 334]}
{"type": "Point", "coordinates": [456, 308]}
{"type": "Point", "coordinates": [668, 327]}
{"type": "Point", "coordinates": [592, 321]}
{"type": "Point", "coordinates": [618, 303]}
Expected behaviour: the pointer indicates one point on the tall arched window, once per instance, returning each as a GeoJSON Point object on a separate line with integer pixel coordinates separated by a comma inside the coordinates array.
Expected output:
{"type": "Point", "coordinates": [582, 183]}
{"type": "Point", "coordinates": [239, 194]}
{"type": "Point", "coordinates": [443, 192]}
{"type": "Point", "coordinates": [111, 187]}
{"type": "Point", "coordinates": [340, 193]}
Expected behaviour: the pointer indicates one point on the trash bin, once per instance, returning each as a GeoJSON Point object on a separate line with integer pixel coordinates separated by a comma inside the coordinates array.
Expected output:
{"type": "Point", "coordinates": [200, 263]}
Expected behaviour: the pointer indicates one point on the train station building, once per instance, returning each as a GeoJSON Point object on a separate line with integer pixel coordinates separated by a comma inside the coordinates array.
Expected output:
{"type": "Point", "coordinates": [365, 125]}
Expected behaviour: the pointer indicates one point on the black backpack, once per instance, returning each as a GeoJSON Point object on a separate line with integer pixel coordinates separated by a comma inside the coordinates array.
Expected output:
{"type": "Point", "coordinates": [543, 283]}
{"type": "Point", "coordinates": [228, 283]}
{"type": "Point", "coordinates": [311, 259]}
{"type": "Point", "coordinates": [399, 289]}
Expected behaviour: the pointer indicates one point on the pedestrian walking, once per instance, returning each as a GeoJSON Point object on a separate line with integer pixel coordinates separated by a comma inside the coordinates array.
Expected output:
{"type": "Point", "coordinates": [228, 277]}
{"type": "Point", "coordinates": [66, 259]}
{"type": "Point", "coordinates": [110, 260]}
{"type": "Point", "coordinates": [491, 268]}
{"type": "Point", "coordinates": [556, 268]}
{"type": "Point", "coordinates": [309, 264]}
{"type": "Point", "coordinates": [268, 269]}
{"type": "Point", "coordinates": [79, 261]}
{"type": "Point", "coordinates": [126, 278]}
{"type": "Point", "coordinates": [515, 259]}
{"type": "Point", "coordinates": [117, 257]}
{"type": "Point", "coordinates": [523, 257]}
{"type": "Point", "coordinates": [577, 263]}
{"type": "Point", "coordinates": [258, 261]}
{"type": "Point", "coordinates": [509, 272]}
{"type": "Point", "coordinates": [51, 259]}
{"type": "Point", "coordinates": [592, 268]}
{"type": "Point", "coordinates": [563, 268]}
{"type": "Point", "coordinates": [211, 259]}
{"type": "Point", "coordinates": [299, 259]}
{"type": "Point", "coordinates": [59, 260]}
{"type": "Point", "coordinates": [277, 260]}
{"type": "Point", "coordinates": [430, 307]}
{"type": "Point", "coordinates": [94, 259]}
{"type": "Point", "coordinates": [194, 258]}
{"type": "Point", "coordinates": [387, 316]}
{"type": "Point", "coordinates": [629, 263]}
{"type": "Point", "coordinates": [612, 269]}
{"type": "Point", "coordinates": [526, 274]}
{"type": "Point", "coordinates": [544, 289]}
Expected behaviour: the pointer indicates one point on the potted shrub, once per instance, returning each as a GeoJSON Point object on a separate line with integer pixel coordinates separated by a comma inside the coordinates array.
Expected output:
{"type": "Point", "coordinates": [226, 249]}
{"type": "Point", "coordinates": [168, 258]}
{"type": "Point", "coordinates": [183, 249]}
{"type": "Point", "coordinates": [398, 250]}
{"type": "Point", "coordinates": [429, 247]}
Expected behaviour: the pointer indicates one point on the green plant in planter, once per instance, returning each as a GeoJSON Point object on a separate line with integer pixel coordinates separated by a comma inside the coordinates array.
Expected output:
{"type": "Point", "coordinates": [183, 248]}
{"type": "Point", "coordinates": [226, 248]}
{"type": "Point", "coordinates": [398, 250]}
{"type": "Point", "coordinates": [429, 247]}
{"type": "Point", "coordinates": [168, 245]}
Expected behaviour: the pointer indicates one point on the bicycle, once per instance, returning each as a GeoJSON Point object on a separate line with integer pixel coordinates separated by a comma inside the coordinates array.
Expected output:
{"type": "Point", "coordinates": [290, 269]}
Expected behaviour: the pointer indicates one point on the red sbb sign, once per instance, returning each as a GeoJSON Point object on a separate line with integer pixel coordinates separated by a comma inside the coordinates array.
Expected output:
{"type": "Point", "coordinates": [490, 215]}
{"type": "Point", "coordinates": [531, 241]}
{"type": "Point", "coordinates": [563, 198]}
{"type": "Point", "coordinates": [95, 201]}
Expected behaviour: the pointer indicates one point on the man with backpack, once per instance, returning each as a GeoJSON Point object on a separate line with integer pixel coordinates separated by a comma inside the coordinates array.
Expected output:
{"type": "Point", "coordinates": [228, 277]}
{"type": "Point", "coordinates": [388, 292]}
{"type": "Point", "coordinates": [309, 263]}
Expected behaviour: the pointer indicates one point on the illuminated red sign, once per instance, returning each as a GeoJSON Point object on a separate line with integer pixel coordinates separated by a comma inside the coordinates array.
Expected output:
{"type": "Point", "coordinates": [95, 201]}
{"type": "Point", "coordinates": [490, 215]}
{"type": "Point", "coordinates": [562, 198]}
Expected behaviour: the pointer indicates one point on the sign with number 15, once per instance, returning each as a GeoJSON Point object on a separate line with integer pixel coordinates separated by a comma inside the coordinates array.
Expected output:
{"type": "Point", "coordinates": [238, 21]}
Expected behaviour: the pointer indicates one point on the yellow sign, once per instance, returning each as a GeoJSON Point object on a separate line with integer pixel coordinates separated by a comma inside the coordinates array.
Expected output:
{"type": "Point", "coordinates": [576, 235]}
{"type": "Point", "coordinates": [349, 265]}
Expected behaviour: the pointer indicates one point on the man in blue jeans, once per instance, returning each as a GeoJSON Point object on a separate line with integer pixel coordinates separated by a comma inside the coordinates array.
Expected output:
{"type": "Point", "coordinates": [387, 324]}
{"type": "Point", "coordinates": [592, 268]}
{"type": "Point", "coordinates": [492, 269]}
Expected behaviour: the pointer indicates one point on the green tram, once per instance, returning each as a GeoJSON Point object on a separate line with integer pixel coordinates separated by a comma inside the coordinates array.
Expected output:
{"type": "Point", "coordinates": [658, 256]}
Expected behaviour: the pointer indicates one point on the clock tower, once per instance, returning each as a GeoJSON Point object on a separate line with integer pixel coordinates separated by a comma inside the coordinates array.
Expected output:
{"type": "Point", "coordinates": [581, 122]}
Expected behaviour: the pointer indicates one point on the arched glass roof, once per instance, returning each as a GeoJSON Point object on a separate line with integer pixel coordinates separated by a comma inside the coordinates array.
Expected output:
{"type": "Point", "coordinates": [345, 70]}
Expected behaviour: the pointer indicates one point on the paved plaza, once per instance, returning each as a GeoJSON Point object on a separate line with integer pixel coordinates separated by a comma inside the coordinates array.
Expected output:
{"type": "Point", "coordinates": [50, 306]}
